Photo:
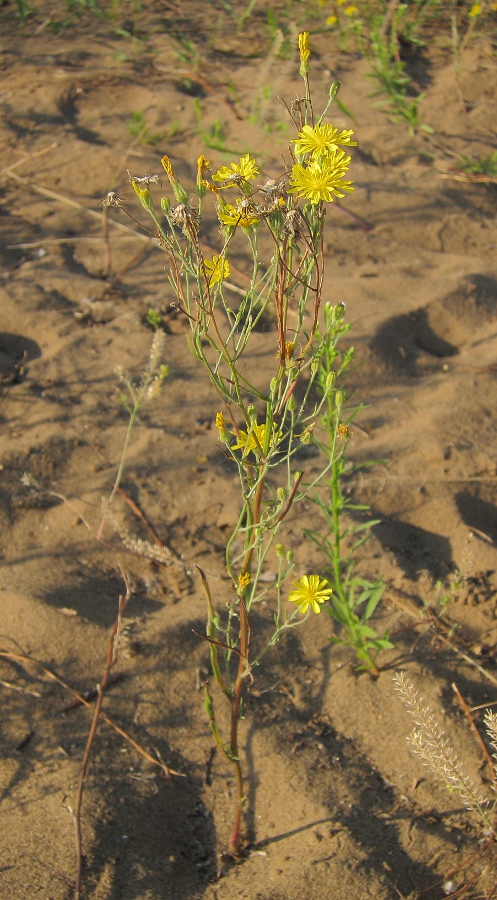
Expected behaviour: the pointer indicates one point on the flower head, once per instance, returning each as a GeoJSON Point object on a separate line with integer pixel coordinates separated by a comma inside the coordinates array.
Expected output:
{"type": "Point", "coordinates": [310, 591]}
{"type": "Point", "coordinates": [236, 215]}
{"type": "Point", "coordinates": [475, 10]}
{"type": "Point", "coordinates": [322, 140]}
{"type": "Point", "coordinates": [350, 10]}
{"type": "Point", "coordinates": [144, 195]}
{"type": "Point", "coordinates": [203, 165]}
{"type": "Point", "coordinates": [185, 217]}
{"type": "Point", "coordinates": [221, 426]}
{"type": "Point", "coordinates": [304, 52]}
{"type": "Point", "coordinates": [217, 269]}
{"type": "Point", "coordinates": [322, 179]}
{"type": "Point", "coordinates": [254, 440]}
{"type": "Point", "coordinates": [237, 172]}
{"type": "Point", "coordinates": [244, 580]}
{"type": "Point", "coordinates": [167, 166]}
{"type": "Point", "coordinates": [179, 191]}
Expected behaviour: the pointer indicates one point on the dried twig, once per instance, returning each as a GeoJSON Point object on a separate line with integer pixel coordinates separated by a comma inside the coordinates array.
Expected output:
{"type": "Point", "coordinates": [111, 656]}
{"type": "Point", "coordinates": [28, 660]}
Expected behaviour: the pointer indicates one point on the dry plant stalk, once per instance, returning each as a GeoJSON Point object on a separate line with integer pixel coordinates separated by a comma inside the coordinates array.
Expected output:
{"type": "Point", "coordinates": [428, 741]}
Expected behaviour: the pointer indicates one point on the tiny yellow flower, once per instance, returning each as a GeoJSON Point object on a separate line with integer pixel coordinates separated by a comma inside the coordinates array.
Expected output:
{"type": "Point", "coordinates": [235, 215]}
{"type": "Point", "coordinates": [350, 10]}
{"type": "Point", "coordinates": [322, 140]}
{"type": "Point", "coordinates": [179, 191]}
{"type": "Point", "coordinates": [331, 20]}
{"type": "Point", "coordinates": [217, 269]}
{"type": "Point", "coordinates": [245, 169]}
{"type": "Point", "coordinates": [221, 427]}
{"type": "Point", "coordinates": [475, 10]}
{"type": "Point", "coordinates": [244, 579]}
{"type": "Point", "coordinates": [203, 165]}
{"type": "Point", "coordinates": [144, 195]}
{"type": "Point", "coordinates": [310, 591]}
{"type": "Point", "coordinates": [322, 179]}
{"type": "Point", "coordinates": [343, 432]}
{"type": "Point", "coordinates": [166, 165]}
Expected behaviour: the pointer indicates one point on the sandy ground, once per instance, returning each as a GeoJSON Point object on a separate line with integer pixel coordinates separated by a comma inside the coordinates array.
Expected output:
{"type": "Point", "coordinates": [337, 806]}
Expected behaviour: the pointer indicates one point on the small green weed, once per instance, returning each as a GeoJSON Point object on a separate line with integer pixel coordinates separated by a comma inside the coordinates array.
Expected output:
{"type": "Point", "coordinates": [354, 599]}
{"type": "Point", "coordinates": [487, 165]}
{"type": "Point", "coordinates": [138, 127]}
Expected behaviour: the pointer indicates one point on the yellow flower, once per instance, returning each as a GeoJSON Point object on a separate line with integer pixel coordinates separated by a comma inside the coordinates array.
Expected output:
{"type": "Point", "coordinates": [343, 432]}
{"type": "Point", "coordinates": [221, 426]}
{"type": "Point", "coordinates": [475, 10]}
{"type": "Point", "coordinates": [203, 165]}
{"type": "Point", "coordinates": [350, 10]}
{"type": "Point", "coordinates": [322, 140]}
{"type": "Point", "coordinates": [304, 46]}
{"type": "Point", "coordinates": [245, 170]}
{"type": "Point", "coordinates": [310, 591]}
{"type": "Point", "coordinates": [253, 440]}
{"type": "Point", "coordinates": [304, 53]}
{"type": "Point", "coordinates": [218, 269]}
{"type": "Point", "coordinates": [144, 195]}
{"type": "Point", "coordinates": [244, 580]}
{"type": "Point", "coordinates": [179, 191]}
{"type": "Point", "coordinates": [235, 215]}
{"type": "Point", "coordinates": [322, 179]}
{"type": "Point", "coordinates": [166, 165]}
{"type": "Point", "coordinates": [331, 20]}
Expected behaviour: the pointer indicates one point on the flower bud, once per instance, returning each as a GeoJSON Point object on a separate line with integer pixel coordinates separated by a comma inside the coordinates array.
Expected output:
{"type": "Point", "coordinates": [330, 381]}
{"type": "Point", "coordinates": [165, 205]}
{"type": "Point", "coordinates": [339, 398]}
{"type": "Point", "coordinates": [280, 551]}
{"type": "Point", "coordinates": [338, 312]}
{"type": "Point", "coordinates": [291, 404]}
{"type": "Point", "coordinates": [252, 413]}
{"type": "Point", "coordinates": [290, 556]}
{"type": "Point", "coordinates": [281, 494]}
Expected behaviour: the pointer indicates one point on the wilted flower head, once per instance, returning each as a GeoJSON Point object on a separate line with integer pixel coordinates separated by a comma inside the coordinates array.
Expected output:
{"type": "Point", "coordinates": [185, 217]}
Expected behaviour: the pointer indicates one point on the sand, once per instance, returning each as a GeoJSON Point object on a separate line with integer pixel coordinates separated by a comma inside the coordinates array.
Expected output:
{"type": "Point", "coordinates": [337, 805]}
